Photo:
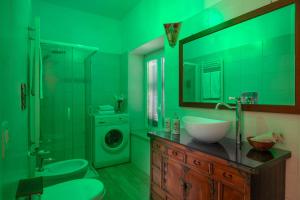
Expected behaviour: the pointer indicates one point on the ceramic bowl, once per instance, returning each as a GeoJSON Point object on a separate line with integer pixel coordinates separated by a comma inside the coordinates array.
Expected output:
{"type": "Point", "coordinates": [260, 146]}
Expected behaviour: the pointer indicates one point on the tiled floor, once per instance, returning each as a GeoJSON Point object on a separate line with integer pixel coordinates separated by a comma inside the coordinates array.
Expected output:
{"type": "Point", "coordinates": [125, 182]}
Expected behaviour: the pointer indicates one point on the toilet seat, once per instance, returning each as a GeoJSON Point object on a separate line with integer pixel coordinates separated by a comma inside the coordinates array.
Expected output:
{"type": "Point", "coordinates": [79, 189]}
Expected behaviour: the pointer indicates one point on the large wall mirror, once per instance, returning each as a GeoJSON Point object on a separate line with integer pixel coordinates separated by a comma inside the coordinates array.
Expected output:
{"type": "Point", "coordinates": [254, 56]}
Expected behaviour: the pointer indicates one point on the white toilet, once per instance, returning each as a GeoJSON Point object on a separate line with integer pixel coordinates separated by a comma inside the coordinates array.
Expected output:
{"type": "Point", "coordinates": [79, 189]}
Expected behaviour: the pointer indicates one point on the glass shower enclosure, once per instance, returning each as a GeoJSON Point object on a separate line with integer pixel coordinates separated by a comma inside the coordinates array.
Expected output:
{"type": "Point", "coordinates": [64, 98]}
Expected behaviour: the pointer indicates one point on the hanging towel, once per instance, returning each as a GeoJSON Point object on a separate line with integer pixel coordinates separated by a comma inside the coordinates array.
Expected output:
{"type": "Point", "coordinates": [215, 81]}
{"type": "Point", "coordinates": [206, 86]}
{"type": "Point", "coordinates": [105, 108]}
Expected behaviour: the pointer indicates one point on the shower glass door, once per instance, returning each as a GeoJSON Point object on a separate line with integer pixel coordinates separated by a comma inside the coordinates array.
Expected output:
{"type": "Point", "coordinates": [63, 102]}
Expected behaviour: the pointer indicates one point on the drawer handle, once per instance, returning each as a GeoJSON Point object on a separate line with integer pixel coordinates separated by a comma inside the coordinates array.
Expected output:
{"type": "Point", "coordinates": [181, 181]}
{"type": "Point", "coordinates": [187, 188]}
{"type": "Point", "coordinates": [174, 153]}
{"type": "Point", "coordinates": [227, 175]}
{"type": "Point", "coordinates": [197, 162]}
{"type": "Point", "coordinates": [157, 146]}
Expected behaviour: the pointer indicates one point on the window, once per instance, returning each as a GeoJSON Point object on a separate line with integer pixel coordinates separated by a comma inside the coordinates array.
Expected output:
{"type": "Point", "coordinates": [155, 89]}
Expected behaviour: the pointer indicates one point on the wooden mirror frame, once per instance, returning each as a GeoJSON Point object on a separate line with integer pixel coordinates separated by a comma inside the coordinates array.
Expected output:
{"type": "Point", "coordinates": [292, 109]}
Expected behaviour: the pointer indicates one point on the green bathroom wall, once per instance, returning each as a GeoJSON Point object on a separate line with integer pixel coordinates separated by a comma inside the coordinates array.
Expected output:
{"type": "Point", "coordinates": [136, 92]}
{"type": "Point", "coordinates": [124, 79]}
{"type": "Point", "coordinates": [14, 20]}
{"type": "Point", "coordinates": [140, 150]}
{"type": "Point", "coordinates": [145, 22]}
{"type": "Point", "coordinates": [105, 80]}
{"type": "Point", "coordinates": [142, 25]}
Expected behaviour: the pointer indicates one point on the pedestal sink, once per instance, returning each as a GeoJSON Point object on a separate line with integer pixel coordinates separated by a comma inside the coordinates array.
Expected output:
{"type": "Point", "coordinates": [204, 129]}
{"type": "Point", "coordinates": [62, 171]}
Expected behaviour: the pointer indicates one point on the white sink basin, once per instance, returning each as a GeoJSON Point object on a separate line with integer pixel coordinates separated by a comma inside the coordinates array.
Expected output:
{"type": "Point", "coordinates": [204, 129]}
{"type": "Point", "coordinates": [62, 171]}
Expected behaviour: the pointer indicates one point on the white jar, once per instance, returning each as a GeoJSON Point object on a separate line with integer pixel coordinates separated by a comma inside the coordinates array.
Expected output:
{"type": "Point", "coordinates": [167, 125]}
{"type": "Point", "coordinates": [176, 125]}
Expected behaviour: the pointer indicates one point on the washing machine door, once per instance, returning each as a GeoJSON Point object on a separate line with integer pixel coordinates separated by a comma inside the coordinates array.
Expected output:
{"type": "Point", "coordinates": [114, 140]}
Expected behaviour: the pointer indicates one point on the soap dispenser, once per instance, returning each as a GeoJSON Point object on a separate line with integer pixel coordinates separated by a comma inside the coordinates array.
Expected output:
{"type": "Point", "coordinates": [176, 124]}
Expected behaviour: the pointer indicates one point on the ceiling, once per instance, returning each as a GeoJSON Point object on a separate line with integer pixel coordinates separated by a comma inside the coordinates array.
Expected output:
{"type": "Point", "coordinates": [115, 9]}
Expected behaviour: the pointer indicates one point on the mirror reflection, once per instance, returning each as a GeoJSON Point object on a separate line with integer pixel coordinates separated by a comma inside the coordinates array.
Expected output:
{"type": "Point", "coordinates": [255, 57]}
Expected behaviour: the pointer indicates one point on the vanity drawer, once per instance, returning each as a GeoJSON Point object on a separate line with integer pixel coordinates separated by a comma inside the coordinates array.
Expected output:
{"type": "Point", "coordinates": [199, 164]}
{"type": "Point", "coordinates": [229, 175]}
{"type": "Point", "coordinates": [176, 154]}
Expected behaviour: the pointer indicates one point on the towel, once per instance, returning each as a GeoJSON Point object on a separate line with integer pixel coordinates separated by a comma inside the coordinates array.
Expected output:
{"type": "Point", "coordinates": [268, 137]}
{"type": "Point", "coordinates": [206, 86]}
{"type": "Point", "coordinates": [215, 81]}
{"type": "Point", "coordinates": [106, 112]}
{"type": "Point", "coordinates": [106, 108]}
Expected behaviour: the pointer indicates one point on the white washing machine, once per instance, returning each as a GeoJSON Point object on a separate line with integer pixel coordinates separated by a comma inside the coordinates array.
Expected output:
{"type": "Point", "coordinates": [111, 144]}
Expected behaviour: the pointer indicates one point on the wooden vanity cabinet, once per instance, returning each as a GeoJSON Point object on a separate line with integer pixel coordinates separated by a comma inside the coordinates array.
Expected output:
{"type": "Point", "coordinates": [198, 186]}
{"type": "Point", "coordinates": [173, 173]}
{"type": "Point", "coordinates": [178, 173]}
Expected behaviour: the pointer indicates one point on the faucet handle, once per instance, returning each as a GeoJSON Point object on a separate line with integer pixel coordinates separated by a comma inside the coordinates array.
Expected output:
{"type": "Point", "coordinates": [48, 159]}
{"type": "Point", "coordinates": [43, 152]}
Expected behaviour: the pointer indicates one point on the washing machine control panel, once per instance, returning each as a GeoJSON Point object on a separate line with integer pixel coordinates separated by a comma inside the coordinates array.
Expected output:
{"type": "Point", "coordinates": [102, 120]}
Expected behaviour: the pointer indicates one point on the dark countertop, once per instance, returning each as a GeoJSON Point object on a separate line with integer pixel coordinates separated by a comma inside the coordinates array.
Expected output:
{"type": "Point", "coordinates": [244, 157]}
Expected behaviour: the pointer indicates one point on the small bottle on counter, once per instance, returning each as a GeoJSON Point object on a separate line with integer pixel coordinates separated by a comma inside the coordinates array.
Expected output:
{"type": "Point", "coordinates": [176, 124]}
{"type": "Point", "coordinates": [167, 125]}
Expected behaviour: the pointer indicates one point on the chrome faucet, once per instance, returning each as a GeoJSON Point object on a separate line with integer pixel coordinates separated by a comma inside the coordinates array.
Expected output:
{"type": "Point", "coordinates": [42, 155]}
{"type": "Point", "coordinates": [238, 116]}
